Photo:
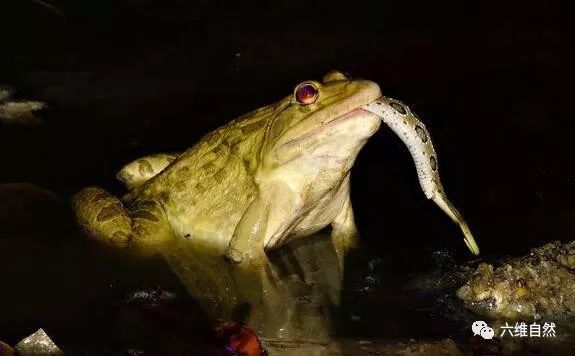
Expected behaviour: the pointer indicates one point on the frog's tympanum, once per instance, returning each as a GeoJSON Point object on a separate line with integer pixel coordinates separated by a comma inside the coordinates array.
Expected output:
{"type": "Point", "coordinates": [276, 174]}
{"type": "Point", "coordinates": [541, 284]}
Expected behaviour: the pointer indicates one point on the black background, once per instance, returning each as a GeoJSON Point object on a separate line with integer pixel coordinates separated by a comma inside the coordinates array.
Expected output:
{"type": "Point", "coordinates": [492, 80]}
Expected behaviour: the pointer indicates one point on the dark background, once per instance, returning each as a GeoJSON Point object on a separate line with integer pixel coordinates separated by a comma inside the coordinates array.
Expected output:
{"type": "Point", "coordinates": [492, 80]}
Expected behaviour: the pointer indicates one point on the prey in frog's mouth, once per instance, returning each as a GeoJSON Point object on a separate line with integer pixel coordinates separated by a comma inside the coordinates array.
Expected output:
{"type": "Point", "coordinates": [415, 136]}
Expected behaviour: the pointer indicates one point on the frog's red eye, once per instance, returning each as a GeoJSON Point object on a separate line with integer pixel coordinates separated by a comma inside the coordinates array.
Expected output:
{"type": "Point", "coordinates": [306, 93]}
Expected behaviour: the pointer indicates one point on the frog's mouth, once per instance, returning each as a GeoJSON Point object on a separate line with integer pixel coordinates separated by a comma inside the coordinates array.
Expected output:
{"type": "Point", "coordinates": [354, 114]}
{"type": "Point", "coordinates": [418, 141]}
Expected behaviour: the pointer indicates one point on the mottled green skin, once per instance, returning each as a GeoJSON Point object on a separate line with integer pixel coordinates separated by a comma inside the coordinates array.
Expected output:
{"type": "Point", "coordinates": [273, 175]}
{"type": "Point", "coordinates": [136, 173]}
{"type": "Point", "coordinates": [541, 284]}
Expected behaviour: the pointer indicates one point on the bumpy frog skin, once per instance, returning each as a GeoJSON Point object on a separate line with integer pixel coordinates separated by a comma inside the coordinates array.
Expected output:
{"type": "Point", "coordinates": [136, 173]}
{"type": "Point", "coordinates": [271, 176]}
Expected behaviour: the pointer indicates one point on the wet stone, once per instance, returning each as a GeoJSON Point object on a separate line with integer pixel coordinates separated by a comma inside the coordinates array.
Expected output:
{"type": "Point", "coordinates": [5, 349]}
{"type": "Point", "coordinates": [537, 284]}
{"type": "Point", "coordinates": [38, 343]}
{"type": "Point", "coordinates": [29, 213]}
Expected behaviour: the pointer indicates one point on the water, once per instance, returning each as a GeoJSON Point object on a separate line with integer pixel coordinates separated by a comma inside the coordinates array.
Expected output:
{"type": "Point", "coordinates": [80, 294]}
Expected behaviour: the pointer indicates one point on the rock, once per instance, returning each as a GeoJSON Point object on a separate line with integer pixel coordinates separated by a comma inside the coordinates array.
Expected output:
{"type": "Point", "coordinates": [150, 295]}
{"type": "Point", "coordinates": [29, 213]}
{"type": "Point", "coordinates": [156, 326]}
{"type": "Point", "coordinates": [6, 350]}
{"type": "Point", "coordinates": [534, 286]}
{"type": "Point", "coordinates": [5, 92]}
{"type": "Point", "coordinates": [18, 111]}
{"type": "Point", "coordinates": [38, 344]}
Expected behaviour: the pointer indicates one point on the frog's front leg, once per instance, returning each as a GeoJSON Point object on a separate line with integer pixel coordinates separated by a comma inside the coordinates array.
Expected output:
{"type": "Point", "coordinates": [103, 217]}
{"type": "Point", "coordinates": [264, 225]}
{"type": "Point", "coordinates": [344, 232]}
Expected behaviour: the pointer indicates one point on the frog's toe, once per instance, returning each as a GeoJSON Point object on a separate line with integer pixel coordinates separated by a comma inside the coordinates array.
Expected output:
{"type": "Point", "coordinates": [234, 256]}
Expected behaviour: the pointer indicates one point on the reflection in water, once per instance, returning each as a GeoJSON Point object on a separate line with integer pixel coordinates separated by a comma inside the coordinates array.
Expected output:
{"type": "Point", "coordinates": [290, 299]}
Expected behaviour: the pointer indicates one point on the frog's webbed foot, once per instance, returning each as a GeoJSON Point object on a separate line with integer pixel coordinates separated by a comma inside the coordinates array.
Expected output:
{"type": "Point", "coordinates": [104, 218]}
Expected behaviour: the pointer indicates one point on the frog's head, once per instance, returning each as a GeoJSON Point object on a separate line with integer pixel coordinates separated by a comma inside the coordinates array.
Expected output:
{"type": "Point", "coordinates": [322, 119]}
{"type": "Point", "coordinates": [323, 125]}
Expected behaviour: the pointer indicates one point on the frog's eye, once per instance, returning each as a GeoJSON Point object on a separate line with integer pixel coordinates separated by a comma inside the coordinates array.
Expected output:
{"type": "Point", "coordinates": [306, 93]}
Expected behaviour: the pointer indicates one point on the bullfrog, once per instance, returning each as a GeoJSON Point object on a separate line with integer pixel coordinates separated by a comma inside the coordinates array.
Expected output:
{"type": "Point", "coordinates": [540, 284]}
{"type": "Point", "coordinates": [274, 175]}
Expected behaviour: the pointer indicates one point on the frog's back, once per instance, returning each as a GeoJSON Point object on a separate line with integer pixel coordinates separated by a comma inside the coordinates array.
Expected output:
{"type": "Point", "coordinates": [211, 184]}
{"type": "Point", "coordinates": [240, 137]}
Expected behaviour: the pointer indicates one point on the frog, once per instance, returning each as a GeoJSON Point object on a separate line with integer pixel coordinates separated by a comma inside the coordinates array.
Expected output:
{"type": "Point", "coordinates": [272, 176]}
{"type": "Point", "coordinates": [276, 174]}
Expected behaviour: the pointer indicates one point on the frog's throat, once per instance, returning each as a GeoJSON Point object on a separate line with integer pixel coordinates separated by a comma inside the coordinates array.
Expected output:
{"type": "Point", "coordinates": [418, 141]}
